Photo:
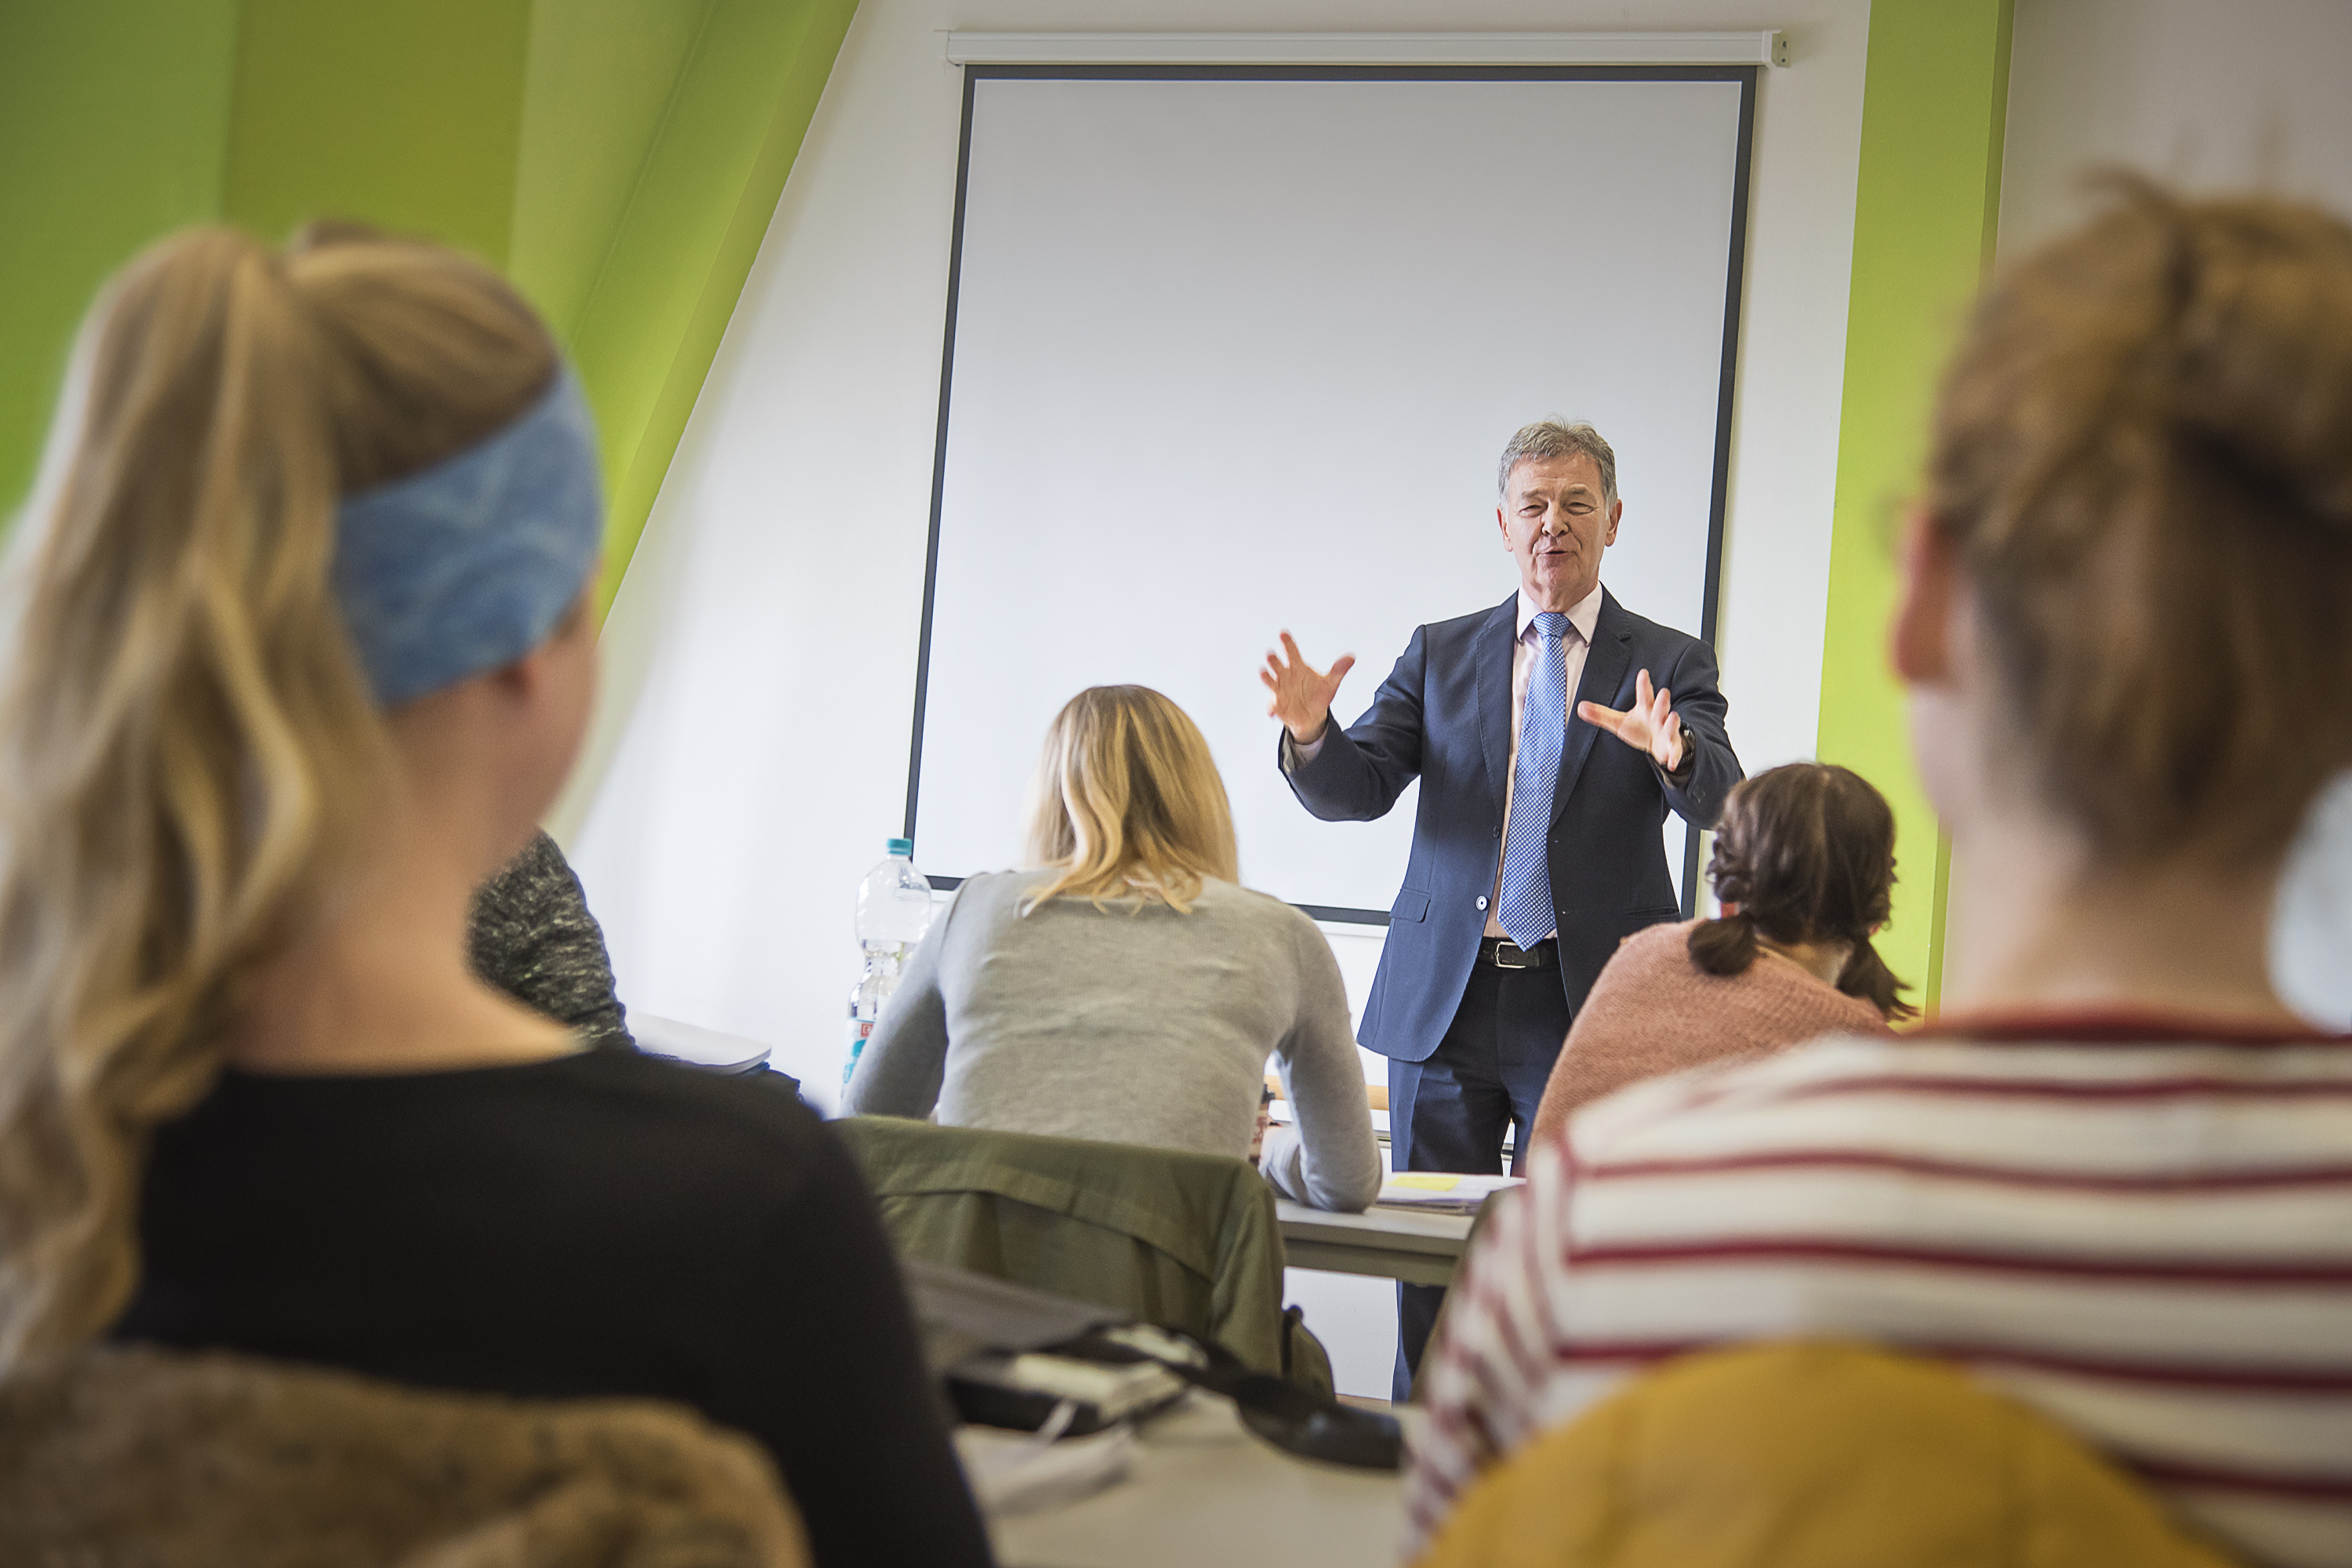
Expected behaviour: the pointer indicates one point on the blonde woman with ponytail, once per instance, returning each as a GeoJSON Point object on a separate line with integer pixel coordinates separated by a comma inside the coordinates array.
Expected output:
{"type": "Point", "coordinates": [1804, 868]}
{"type": "Point", "coordinates": [1128, 988]}
{"type": "Point", "coordinates": [297, 650]}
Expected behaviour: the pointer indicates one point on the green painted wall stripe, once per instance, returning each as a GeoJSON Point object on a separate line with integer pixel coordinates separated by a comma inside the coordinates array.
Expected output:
{"type": "Point", "coordinates": [1996, 143]}
{"type": "Point", "coordinates": [113, 119]}
{"type": "Point", "coordinates": [621, 158]}
{"type": "Point", "coordinates": [407, 116]}
{"type": "Point", "coordinates": [716, 168]}
{"type": "Point", "coordinates": [1935, 99]}
{"type": "Point", "coordinates": [601, 77]}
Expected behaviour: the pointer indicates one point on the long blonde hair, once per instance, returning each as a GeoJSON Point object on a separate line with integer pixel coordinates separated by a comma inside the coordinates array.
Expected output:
{"type": "Point", "coordinates": [188, 749]}
{"type": "Point", "coordinates": [1128, 802]}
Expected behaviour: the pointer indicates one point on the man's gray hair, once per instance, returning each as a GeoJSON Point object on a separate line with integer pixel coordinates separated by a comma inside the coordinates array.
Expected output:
{"type": "Point", "coordinates": [1557, 438]}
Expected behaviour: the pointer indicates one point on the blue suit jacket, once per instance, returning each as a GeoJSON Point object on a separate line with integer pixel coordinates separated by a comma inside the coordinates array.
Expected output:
{"type": "Point", "coordinates": [1444, 716]}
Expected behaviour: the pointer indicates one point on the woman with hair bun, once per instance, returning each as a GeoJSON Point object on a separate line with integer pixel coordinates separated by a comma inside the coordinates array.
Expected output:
{"type": "Point", "coordinates": [1804, 866]}
{"type": "Point", "coordinates": [2113, 1180]}
{"type": "Point", "coordinates": [299, 647]}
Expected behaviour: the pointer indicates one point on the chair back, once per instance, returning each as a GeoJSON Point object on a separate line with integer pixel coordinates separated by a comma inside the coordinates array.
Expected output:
{"type": "Point", "coordinates": [1188, 1241]}
{"type": "Point", "coordinates": [133, 1455]}
{"type": "Point", "coordinates": [1810, 1456]}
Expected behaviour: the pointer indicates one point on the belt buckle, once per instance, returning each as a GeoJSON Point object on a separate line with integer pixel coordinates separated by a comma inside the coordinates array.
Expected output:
{"type": "Point", "coordinates": [1511, 947]}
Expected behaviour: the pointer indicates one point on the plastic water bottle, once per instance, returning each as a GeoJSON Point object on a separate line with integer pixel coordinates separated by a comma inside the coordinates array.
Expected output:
{"type": "Point", "coordinates": [893, 908]}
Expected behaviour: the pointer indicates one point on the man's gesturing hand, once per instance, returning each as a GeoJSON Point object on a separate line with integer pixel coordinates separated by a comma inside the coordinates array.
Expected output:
{"type": "Point", "coordinates": [1652, 725]}
{"type": "Point", "coordinates": [1302, 698]}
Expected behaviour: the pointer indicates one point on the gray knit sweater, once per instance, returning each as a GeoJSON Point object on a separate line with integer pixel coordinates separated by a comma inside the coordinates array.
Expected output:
{"type": "Point", "coordinates": [1129, 1023]}
{"type": "Point", "coordinates": [531, 935]}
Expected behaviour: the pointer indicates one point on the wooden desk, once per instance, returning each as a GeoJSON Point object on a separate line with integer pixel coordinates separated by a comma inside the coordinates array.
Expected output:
{"type": "Point", "coordinates": [1204, 1491]}
{"type": "Point", "coordinates": [1417, 1248]}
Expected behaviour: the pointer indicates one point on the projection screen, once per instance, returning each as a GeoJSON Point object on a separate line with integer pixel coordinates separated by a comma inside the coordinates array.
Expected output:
{"type": "Point", "coordinates": [1232, 351]}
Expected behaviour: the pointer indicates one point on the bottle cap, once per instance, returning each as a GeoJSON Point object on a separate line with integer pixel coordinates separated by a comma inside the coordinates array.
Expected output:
{"type": "Point", "coordinates": [905, 846]}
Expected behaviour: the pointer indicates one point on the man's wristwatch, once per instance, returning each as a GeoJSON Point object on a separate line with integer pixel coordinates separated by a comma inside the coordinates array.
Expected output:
{"type": "Point", "coordinates": [1690, 753]}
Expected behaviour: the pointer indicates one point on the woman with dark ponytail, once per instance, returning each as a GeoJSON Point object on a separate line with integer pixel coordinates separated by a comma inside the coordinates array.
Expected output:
{"type": "Point", "coordinates": [1804, 866]}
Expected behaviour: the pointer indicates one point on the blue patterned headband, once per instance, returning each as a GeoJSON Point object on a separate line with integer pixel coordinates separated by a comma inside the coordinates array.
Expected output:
{"type": "Point", "coordinates": [469, 565]}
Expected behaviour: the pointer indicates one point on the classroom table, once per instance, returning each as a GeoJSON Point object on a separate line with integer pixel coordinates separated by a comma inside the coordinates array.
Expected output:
{"type": "Point", "coordinates": [1204, 1491]}
{"type": "Point", "coordinates": [1417, 1247]}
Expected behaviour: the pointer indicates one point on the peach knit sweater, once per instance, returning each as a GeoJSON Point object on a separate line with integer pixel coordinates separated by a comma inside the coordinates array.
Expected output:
{"type": "Point", "coordinates": [1653, 1011]}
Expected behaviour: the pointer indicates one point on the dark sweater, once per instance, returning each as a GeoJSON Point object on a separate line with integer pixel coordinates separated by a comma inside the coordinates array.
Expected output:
{"type": "Point", "coordinates": [600, 1223]}
{"type": "Point", "coordinates": [531, 935]}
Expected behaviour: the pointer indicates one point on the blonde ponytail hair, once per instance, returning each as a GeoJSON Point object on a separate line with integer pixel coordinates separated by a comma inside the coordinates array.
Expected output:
{"type": "Point", "coordinates": [1128, 802]}
{"type": "Point", "coordinates": [188, 750]}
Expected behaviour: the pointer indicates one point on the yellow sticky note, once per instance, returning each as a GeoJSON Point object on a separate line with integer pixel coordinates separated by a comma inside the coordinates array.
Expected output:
{"type": "Point", "coordinates": [1426, 1184]}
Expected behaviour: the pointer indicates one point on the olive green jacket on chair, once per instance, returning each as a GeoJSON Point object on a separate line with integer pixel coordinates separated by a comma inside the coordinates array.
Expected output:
{"type": "Point", "coordinates": [1187, 1241]}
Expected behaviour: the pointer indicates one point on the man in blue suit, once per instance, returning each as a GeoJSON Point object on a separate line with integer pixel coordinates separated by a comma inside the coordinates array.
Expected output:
{"type": "Point", "coordinates": [1497, 935]}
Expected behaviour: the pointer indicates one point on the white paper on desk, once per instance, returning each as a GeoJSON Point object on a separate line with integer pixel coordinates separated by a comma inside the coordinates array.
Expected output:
{"type": "Point", "coordinates": [1455, 1192]}
{"type": "Point", "coordinates": [1013, 1472]}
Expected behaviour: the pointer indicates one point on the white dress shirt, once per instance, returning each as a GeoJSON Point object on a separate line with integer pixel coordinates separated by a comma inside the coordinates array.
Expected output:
{"type": "Point", "coordinates": [1581, 617]}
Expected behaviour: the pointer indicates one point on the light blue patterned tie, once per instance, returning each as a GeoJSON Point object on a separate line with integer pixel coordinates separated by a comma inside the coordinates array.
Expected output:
{"type": "Point", "coordinates": [1527, 912]}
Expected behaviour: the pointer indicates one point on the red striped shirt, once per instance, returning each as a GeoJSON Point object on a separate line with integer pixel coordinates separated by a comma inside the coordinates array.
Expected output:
{"type": "Point", "coordinates": [2141, 1224]}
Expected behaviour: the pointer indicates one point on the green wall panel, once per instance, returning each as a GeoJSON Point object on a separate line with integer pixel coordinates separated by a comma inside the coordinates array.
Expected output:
{"type": "Point", "coordinates": [407, 116]}
{"type": "Point", "coordinates": [714, 168]}
{"type": "Point", "coordinates": [113, 119]}
{"type": "Point", "coordinates": [620, 158]}
{"type": "Point", "coordinates": [1935, 99]}
{"type": "Point", "coordinates": [601, 77]}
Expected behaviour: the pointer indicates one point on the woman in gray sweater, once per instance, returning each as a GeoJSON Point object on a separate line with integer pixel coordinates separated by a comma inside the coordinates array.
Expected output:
{"type": "Point", "coordinates": [1128, 989]}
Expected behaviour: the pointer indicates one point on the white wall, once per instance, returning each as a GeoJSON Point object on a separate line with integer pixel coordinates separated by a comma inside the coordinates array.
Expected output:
{"type": "Point", "coordinates": [2253, 92]}
{"type": "Point", "coordinates": [751, 750]}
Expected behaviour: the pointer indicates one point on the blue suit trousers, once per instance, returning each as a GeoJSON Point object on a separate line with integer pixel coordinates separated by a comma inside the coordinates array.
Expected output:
{"type": "Point", "coordinates": [1449, 1112]}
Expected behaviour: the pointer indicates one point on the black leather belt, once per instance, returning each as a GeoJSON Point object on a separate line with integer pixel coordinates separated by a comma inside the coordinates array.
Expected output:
{"type": "Point", "coordinates": [1504, 953]}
